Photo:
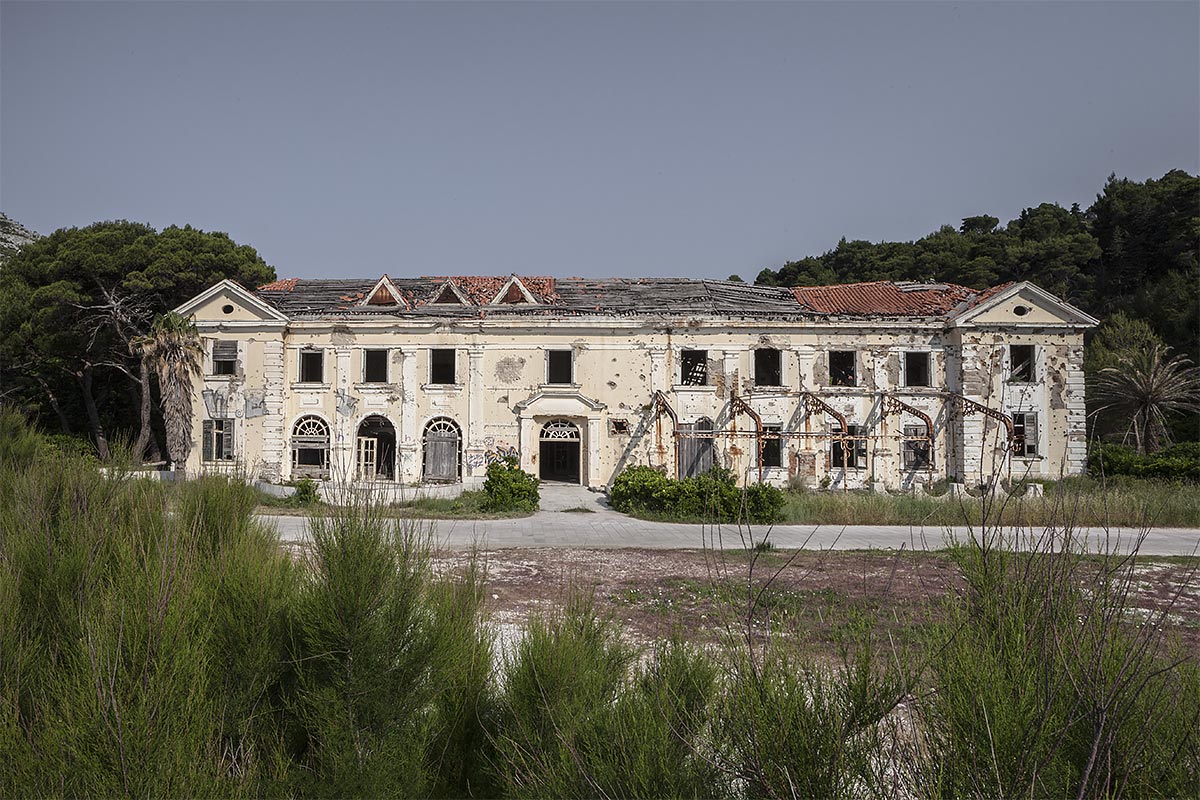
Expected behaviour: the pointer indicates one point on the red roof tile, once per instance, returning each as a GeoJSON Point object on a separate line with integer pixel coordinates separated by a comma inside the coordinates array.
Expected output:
{"type": "Point", "coordinates": [884, 298]}
{"type": "Point", "coordinates": [284, 285]}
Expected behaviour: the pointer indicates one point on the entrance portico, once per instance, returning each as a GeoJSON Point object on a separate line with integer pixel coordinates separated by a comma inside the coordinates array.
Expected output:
{"type": "Point", "coordinates": [549, 447]}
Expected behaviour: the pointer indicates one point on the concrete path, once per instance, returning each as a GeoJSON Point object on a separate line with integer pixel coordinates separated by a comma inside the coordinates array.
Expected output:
{"type": "Point", "coordinates": [604, 528]}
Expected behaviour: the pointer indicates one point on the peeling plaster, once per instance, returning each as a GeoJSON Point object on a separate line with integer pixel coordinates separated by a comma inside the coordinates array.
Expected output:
{"type": "Point", "coordinates": [509, 369]}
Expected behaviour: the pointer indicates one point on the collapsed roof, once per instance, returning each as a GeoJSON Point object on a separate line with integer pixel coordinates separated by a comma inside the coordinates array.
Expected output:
{"type": "Point", "coordinates": [491, 296]}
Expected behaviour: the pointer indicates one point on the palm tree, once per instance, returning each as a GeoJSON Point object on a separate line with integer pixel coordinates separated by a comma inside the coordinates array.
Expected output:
{"type": "Point", "coordinates": [174, 347]}
{"type": "Point", "coordinates": [1149, 388]}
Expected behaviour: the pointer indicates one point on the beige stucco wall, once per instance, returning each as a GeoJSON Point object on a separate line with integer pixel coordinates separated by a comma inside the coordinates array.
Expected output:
{"type": "Point", "coordinates": [501, 400]}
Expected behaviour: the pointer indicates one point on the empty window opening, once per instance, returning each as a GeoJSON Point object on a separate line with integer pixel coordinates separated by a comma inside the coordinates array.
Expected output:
{"type": "Point", "coordinates": [558, 366]}
{"type": "Point", "coordinates": [916, 453]}
{"type": "Point", "coordinates": [1025, 432]}
{"type": "Point", "coordinates": [224, 358]}
{"type": "Point", "coordinates": [441, 366]}
{"type": "Point", "coordinates": [768, 367]}
{"type": "Point", "coordinates": [618, 427]}
{"type": "Point", "coordinates": [218, 440]}
{"type": "Point", "coordinates": [1021, 358]}
{"type": "Point", "coordinates": [693, 367]}
{"type": "Point", "coordinates": [916, 369]}
{"type": "Point", "coordinates": [442, 451]}
{"type": "Point", "coordinates": [772, 446]}
{"type": "Point", "coordinates": [310, 448]}
{"type": "Point", "coordinates": [841, 368]}
{"type": "Point", "coordinates": [375, 366]}
{"type": "Point", "coordinates": [849, 452]}
{"type": "Point", "coordinates": [312, 366]}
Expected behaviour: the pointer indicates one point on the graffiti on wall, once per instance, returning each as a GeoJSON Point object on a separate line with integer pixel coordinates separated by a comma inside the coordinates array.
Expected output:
{"type": "Point", "coordinates": [497, 452]}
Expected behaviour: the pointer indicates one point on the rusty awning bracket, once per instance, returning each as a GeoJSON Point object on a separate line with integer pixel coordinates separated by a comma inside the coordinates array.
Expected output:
{"type": "Point", "coordinates": [967, 407]}
{"type": "Point", "coordinates": [739, 406]}
{"type": "Point", "coordinates": [663, 406]}
{"type": "Point", "coordinates": [894, 405]}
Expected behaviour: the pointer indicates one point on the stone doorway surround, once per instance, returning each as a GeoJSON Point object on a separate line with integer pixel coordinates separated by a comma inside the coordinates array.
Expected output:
{"type": "Point", "coordinates": [551, 404]}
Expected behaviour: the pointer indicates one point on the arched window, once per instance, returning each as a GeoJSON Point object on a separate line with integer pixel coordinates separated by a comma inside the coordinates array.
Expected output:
{"type": "Point", "coordinates": [442, 450]}
{"type": "Point", "coordinates": [560, 429]}
{"type": "Point", "coordinates": [310, 448]}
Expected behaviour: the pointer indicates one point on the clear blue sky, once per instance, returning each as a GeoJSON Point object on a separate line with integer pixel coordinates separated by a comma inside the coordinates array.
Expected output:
{"type": "Point", "coordinates": [693, 139]}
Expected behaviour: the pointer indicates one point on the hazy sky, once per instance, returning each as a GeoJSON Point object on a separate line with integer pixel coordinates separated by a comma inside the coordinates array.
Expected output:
{"type": "Point", "coordinates": [693, 139]}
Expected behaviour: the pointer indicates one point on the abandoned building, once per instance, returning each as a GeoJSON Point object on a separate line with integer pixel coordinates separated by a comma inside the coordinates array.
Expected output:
{"type": "Point", "coordinates": [406, 382]}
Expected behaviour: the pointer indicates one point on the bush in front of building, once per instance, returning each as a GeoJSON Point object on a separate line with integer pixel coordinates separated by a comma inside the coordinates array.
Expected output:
{"type": "Point", "coordinates": [713, 496]}
{"type": "Point", "coordinates": [1180, 462]}
{"type": "Point", "coordinates": [509, 488]}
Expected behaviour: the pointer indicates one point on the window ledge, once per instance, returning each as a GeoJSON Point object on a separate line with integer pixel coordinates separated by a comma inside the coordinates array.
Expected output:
{"type": "Point", "coordinates": [688, 387]}
{"type": "Point", "coordinates": [446, 388]}
{"type": "Point", "coordinates": [769, 388]}
{"type": "Point", "coordinates": [561, 387]}
{"type": "Point", "coordinates": [373, 387]}
{"type": "Point", "coordinates": [301, 386]}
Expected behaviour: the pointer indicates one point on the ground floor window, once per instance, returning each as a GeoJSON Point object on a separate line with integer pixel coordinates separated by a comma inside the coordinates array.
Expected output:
{"type": "Point", "coordinates": [695, 445]}
{"type": "Point", "coordinates": [375, 449]}
{"type": "Point", "coordinates": [217, 444]}
{"type": "Point", "coordinates": [442, 451]}
{"type": "Point", "coordinates": [772, 446]}
{"type": "Point", "coordinates": [849, 452]}
{"type": "Point", "coordinates": [310, 448]}
{"type": "Point", "coordinates": [916, 451]}
{"type": "Point", "coordinates": [1025, 432]}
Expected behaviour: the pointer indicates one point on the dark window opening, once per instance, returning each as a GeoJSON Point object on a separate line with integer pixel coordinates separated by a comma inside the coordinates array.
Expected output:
{"type": "Point", "coordinates": [375, 366]}
{"type": "Point", "coordinates": [917, 452]}
{"type": "Point", "coordinates": [693, 370]}
{"type": "Point", "coordinates": [772, 446]}
{"type": "Point", "coordinates": [447, 297]}
{"type": "Point", "coordinates": [850, 452]}
{"type": "Point", "coordinates": [916, 369]}
{"type": "Point", "coordinates": [312, 366]}
{"type": "Point", "coordinates": [1025, 431]}
{"type": "Point", "coordinates": [224, 358]}
{"type": "Point", "coordinates": [618, 427]}
{"type": "Point", "coordinates": [768, 369]}
{"type": "Point", "coordinates": [218, 440]}
{"type": "Point", "coordinates": [841, 368]}
{"type": "Point", "coordinates": [1021, 357]}
{"type": "Point", "coordinates": [441, 366]}
{"type": "Point", "coordinates": [558, 366]}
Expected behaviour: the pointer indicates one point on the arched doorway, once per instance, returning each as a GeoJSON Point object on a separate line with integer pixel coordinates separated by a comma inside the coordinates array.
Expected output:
{"type": "Point", "coordinates": [310, 448]}
{"type": "Point", "coordinates": [442, 451]}
{"type": "Point", "coordinates": [559, 452]}
{"type": "Point", "coordinates": [375, 449]}
{"type": "Point", "coordinates": [696, 448]}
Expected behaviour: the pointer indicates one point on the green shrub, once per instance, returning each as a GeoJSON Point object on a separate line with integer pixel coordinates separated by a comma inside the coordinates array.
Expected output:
{"type": "Point", "coordinates": [509, 488]}
{"type": "Point", "coordinates": [1180, 462]}
{"type": "Point", "coordinates": [306, 492]}
{"type": "Point", "coordinates": [714, 496]}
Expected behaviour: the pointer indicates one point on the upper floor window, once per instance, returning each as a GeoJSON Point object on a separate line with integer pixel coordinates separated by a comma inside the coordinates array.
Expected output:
{"type": "Point", "coordinates": [768, 367]}
{"type": "Point", "coordinates": [559, 367]}
{"type": "Point", "coordinates": [224, 357]}
{"type": "Point", "coordinates": [841, 368]}
{"type": "Point", "coordinates": [375, 366]}
{"type": "Point", "coordinates": [693, 367]}
{"type": "Point", "coordinates": [1021, 358]}
{"type": "Point", "coordinates": [1025, 431]}
{"type": "Point", "coordinates": [441, 366]}
{"type": "Point", "coordinates": [312, 366]}
{"type": "Point", "coordinates": [916, 369]}
{"type": "Point", "coordinates": [217, 440]}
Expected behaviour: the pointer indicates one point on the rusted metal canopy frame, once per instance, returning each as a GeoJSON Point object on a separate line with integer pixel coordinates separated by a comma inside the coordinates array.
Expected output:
{"type": "Point", "coordinates": [894, 405]}
{"type": "Point", "coordinates": [739, 406]}
{"type": "Point", "coordinates": [663, 406]}
{"type": "Point", "coordinates": [966, 408]}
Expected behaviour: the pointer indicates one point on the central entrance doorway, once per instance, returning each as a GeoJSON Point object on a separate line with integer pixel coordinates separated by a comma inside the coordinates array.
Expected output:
{"type": "Point", "coordinates": [559, 452]}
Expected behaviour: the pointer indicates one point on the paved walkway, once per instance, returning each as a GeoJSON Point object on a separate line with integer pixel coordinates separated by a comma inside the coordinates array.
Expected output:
{"type": "Point", "coordinates": [604, 528]}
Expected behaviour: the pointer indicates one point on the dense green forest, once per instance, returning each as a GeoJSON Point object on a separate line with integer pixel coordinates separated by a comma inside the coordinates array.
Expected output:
{"type": "Point", "coordinates": [1134, 250]}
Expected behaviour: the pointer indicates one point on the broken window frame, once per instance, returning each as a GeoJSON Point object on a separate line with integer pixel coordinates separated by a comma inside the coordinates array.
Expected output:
{"type": "Point", "coordinates": [551, 357]}
{"type": "Point", "coordinates": [439, 363]}
{"type": "Point", "coordinates": [693, 367]}
{"type": "Point", "coordinates": [1025, 369]}
{"type": "Point", "coordinates": [925, 359]}
{"type": "Point", "coordinates": [310, 447]}
{"type": "Point", "coordinates": [840, 376]}
{"type": "Point", "coordinates": [216, 442]}
{"type": "Point", "coordinates": [768, 374]}
{"type": "Point", "coordinates": [1025, 434]}
{"type": "Point", "coordinates": [310, 359]}
{"type": "Point", "coordinates": [771, 446]}
{"type": "Point", "coordinates": [916, 450]}
{"type": "Point", "coordinates": [856, 435]}
{"type": "Point", "coordinates": [368, 355]}
{"type": "Point", "coordinates": [618, 426]}
{"type": "Point", "coordinates": [224, 362]}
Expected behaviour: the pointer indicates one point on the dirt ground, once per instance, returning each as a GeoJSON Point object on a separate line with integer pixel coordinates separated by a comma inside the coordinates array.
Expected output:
{"type": "Point", "coordinates": [817, 597]}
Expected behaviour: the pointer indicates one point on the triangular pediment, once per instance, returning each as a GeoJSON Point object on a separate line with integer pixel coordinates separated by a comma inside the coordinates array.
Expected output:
{"type": "Point", "coordinates": [514, 293]}
{"type": "Point", "coordinates": [559, 403]}
{"type": "Point", "coordinates": [449, 295]}
{"type": "Point", "coordinates": [384, 293]}
{"type": "Point", "coordinates": [228, 302]}
{"type": "Point", "coordinates": [1024, 304]}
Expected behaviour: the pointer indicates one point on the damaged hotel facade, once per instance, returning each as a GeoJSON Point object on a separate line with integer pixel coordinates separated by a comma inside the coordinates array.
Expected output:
{"type": "Point", "coordinates": [422, 382]}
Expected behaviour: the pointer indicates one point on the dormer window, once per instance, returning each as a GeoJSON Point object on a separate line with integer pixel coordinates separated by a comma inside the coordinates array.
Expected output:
{"type": "Point", "coordinates": [449, 295]}
{"type": "Point", "coordinates": [514, 293]}
{"type": "Point", "coordinates": [384, 293]}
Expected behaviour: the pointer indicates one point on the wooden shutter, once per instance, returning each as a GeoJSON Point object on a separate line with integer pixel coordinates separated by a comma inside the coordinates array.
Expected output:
{"type": "Point", "coordinates": [207, 441]}
{"type": "Point", "coordinates": [227, 439]}
{"type": "Point", "coordinates": [1031, 435]}
{"type": "Point", "coordinates": [441, 456]}
{"type": "Point", "coordinates": [695, 452]}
